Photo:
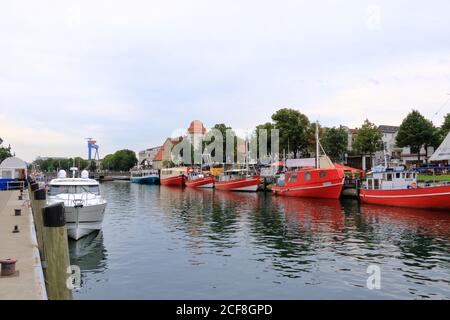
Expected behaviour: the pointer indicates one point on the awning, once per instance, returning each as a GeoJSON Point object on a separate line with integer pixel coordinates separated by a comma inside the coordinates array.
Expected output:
{"type": "Point", "coordinates": [443, 152]}
{"type": "Point", "coordinates": [346, 168]}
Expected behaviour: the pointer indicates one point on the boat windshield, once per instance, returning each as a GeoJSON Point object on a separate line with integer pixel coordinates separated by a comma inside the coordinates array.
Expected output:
{"type": "Point", "coordinates": [62, 189]}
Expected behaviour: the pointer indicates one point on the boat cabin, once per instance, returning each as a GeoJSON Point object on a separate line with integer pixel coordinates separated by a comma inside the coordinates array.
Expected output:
{"type": "Point", "coordinates": [143, 173]}
{"type": "Point", "coordinates": [234, 174]}
{"type": "Point", "coordinates": [309, 176]}
{"type": "Point", "coordinates": [173, 172]}
{"type": "Point", "coordinates": [391, 179]}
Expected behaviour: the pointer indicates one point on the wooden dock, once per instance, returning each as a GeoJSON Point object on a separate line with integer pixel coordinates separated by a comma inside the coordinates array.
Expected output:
{"type": "Point", "coordinates": [28, 281]}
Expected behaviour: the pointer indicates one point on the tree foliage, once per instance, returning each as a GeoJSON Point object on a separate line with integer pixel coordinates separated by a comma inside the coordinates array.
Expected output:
{"type": "Point", "coordinates": [335, 142]}
{"type": "Point", "coordinates": [294, 133]}
{"type": "Point", "coordinates": [5, 152]}
{"type": "Point", "coordinates": [445, 128]}
{"type": "Point", "coordinates": [369, 139]}
{"type": "Point", "coordinates": [416, 132]}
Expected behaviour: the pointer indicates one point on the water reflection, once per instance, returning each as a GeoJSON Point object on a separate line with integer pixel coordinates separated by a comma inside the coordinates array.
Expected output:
{"type": "Point", "coordinates": [205, 244]}
{"type": "Point", "coordinates": [89, 252]}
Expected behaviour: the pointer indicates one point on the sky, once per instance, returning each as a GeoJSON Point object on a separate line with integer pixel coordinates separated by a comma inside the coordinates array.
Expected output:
{"type": "Point", "coordinates": [130, 73]}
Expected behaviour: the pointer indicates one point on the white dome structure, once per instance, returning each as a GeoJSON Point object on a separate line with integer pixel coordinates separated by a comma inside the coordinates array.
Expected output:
{"type": "Point", "coordinates": [13, 168]}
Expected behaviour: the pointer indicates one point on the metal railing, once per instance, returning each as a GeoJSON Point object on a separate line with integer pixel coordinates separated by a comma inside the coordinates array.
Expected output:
{"type": "Point", "coordinates": [15, 185]}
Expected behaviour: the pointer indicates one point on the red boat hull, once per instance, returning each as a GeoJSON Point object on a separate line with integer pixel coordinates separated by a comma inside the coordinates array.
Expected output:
{"type": "Point", "coordinates": [207, 182]}
{"type": "Point", "coordinates": [429, 198]}
{"type": "Point", "coordinates": [331, 190]}
{"type": "Point", "coordinates": [173, 181]}
{"type": "Point", "coordinates": [243, 184]}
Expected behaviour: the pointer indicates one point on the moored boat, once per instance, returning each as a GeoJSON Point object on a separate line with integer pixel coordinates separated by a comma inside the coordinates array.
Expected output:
{"type": "Point", "coordinates": [199, 180]}
{"type": "Point", "coordinates": [144, 176]}
{"type": "Point", "coordinates": [238, 180]}
{"type": "Point", "coordinates": [84, 204]}
{"type": "Point", "coordinates": [324, 183]}
{"type": "Point", "coordinates": [399, 188]}
{"type": "Point", "coordinates": [312, 178]}
{"type": "Point", "coordinates": [173, 176]}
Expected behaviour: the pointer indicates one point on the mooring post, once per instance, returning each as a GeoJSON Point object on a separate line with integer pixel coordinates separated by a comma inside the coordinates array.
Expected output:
{"type": "Point", "coordinates": [33, 187]}
{"type": "Point", "coordinates": [40, 197]}
{"type": "Point", "coordinates": [56, 252]}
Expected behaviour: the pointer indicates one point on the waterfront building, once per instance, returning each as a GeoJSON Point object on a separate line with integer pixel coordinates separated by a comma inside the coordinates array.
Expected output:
{"type": "Point", "coordinates": [165, 152]}
{"type": "Point", "coordinates": [148, 155]}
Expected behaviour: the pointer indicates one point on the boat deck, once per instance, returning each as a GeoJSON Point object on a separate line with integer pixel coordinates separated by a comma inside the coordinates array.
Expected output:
{"type": "Point", "coordinates": [28, 282]}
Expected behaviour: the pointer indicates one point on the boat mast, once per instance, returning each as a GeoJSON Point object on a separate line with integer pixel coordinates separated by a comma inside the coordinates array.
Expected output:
{"type": "Point", "coordinates": [317, 146]}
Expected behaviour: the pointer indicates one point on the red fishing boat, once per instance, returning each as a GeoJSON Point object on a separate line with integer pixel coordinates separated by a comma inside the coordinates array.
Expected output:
{"type": "Point", "coordinates": [313, 178]}
{"type": "Point", "coordinates": [199, 180]}
{"type": "Point", "coordinates": [173, 176]}
{"type": "Point", "coordinates": [238, 180]}
{"type": "Point", "coordinates": [399, 188]}
{"type": "Point", "coordinates": [311, 183]}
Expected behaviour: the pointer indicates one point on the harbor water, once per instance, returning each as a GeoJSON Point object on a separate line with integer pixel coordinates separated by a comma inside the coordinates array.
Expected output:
{"type": "Point", "coordinates": [161, 242]}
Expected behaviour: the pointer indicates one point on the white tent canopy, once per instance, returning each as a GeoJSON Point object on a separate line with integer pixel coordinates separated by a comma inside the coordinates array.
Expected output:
{"type": "Point", "coordinates": [13, 168]}
{"type": "Point", "coordinates": [443, 152]}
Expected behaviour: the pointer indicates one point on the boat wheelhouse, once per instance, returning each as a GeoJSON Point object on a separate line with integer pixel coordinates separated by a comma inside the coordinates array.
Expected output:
{"type": "Point", "coordinates": [174, 176]}
{"type": "Point", "coordinates": [399, 187]}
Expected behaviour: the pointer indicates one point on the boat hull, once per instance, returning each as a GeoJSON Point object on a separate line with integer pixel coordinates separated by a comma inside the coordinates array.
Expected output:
{"type": "Point", "coordinates": [81, 221]}
{"type": "Point", "coordinates": [426, 198]}
{"type": "Point", "coordinates": [207, 183]}
{"type": "Point", "coordinates": [327, 190]}
{"type": "Point", "coordinates": [145, 180]}
{"type": "Point", "coordinates": [244, 184]}
{"type": "Point", "coordinates": [173, 181]}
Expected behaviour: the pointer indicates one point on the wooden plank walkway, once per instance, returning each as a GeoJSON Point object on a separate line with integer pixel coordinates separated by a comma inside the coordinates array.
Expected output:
{"type": "Point", "coordinates": [28, 283]}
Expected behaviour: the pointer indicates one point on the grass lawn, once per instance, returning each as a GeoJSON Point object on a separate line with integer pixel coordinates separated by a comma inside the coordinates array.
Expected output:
{"type": "Point", "coordinates": [441, 177]}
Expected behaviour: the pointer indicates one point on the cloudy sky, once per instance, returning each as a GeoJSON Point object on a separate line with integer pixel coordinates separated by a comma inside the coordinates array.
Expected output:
{"type": "Point", "coordinates": [129, 73]}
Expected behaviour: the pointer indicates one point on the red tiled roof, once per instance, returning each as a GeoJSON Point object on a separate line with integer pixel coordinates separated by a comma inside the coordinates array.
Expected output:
{"type": "Point", "coordinates": [196, 126]}
{"type": "Point", "coordinates": [159, 155]}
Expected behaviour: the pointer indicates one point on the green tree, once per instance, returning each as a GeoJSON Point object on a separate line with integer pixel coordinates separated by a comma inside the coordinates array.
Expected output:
{"type": "Point", "coordinates": [255, 136]}
{"type": "Point", "coordinates": [445, 128]}
{"type": "Point", "coordinates": [416, 132]}
{"type": "Point", "coordinates": [107, 162]}
{"type": "Point", "coordinates": [294, 130]}
{"type": "Point", "coordinates": [92, 165]}
{"type": "Point", "coordinates": [223, 129]}
{"type": "Point", "coordinates": [124, 160]}
{"type": "Point", "coordinates": [335, 142]}
{"type": "Point", "coordinates": [369, 139]}
{"type": "Point", "coordinates": [4, 152]}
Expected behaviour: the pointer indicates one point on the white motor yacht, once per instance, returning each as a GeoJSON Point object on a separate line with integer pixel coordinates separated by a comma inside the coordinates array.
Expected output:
{"type": "Point", "coordinates": [84, 204]}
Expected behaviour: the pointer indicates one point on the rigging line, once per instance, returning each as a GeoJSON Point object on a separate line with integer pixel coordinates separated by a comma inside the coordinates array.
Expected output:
{"type": "Point", "coordinates": [443, 105]}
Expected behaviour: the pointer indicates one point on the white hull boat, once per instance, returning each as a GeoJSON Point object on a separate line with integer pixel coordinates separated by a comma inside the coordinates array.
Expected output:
{"type": "Point", "coordinates": [84, 205]}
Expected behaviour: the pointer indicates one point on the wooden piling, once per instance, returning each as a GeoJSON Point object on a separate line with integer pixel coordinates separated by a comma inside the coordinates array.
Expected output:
{"type": "Point", "coordinates": [56, 252]}
{"type": "Point", "coordinates": [33, 187]}
{"type": "Point", "coordinates": [40, 198]}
